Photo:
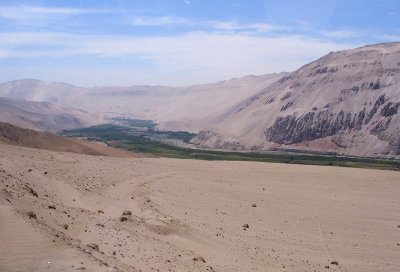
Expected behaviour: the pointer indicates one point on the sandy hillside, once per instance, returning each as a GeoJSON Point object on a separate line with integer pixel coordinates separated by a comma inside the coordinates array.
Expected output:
{"type": "Point", "coordinates": [191, 108]}
{"type": "Point", "coordinates": [10, 134]}
{"type": "Point", "coordinates": [44, 115]}
{"type": "Point", "coordinates": [63, 212]}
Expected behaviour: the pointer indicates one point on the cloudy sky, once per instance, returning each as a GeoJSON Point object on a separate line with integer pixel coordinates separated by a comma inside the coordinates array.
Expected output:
{"type": "Point", "coordinates": [180, 42]}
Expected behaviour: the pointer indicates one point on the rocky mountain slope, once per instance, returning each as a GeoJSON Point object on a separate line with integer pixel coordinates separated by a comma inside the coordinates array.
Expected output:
{"type": "Point", "coordinates": [44, 115]}
{"type": "Point", "coordinates": [347, 102]}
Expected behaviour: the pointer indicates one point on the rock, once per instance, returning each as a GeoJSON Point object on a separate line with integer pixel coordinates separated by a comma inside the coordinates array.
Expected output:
{"type": "Point", "coordinates": [31, 215]}
{"type": "Point", "coordinates": [45, 173]}
{"type": "Point", "coordinates": [124, 219]}
{"type": "Point", "coordinates": [390, 109]}
{"type": "Point", "coordinates": [31, 191]}
{"type": "Point", "coordinates": [327, 266]}
{"type": "Point", "coordinates": [335, 262]}
{"type": "Point", "coordinates": [245, 226]}
{"type": "Point", "coordinates": [52, 207]}
{"type": "Point", "coordinates": [65, 226]}
{"type": "Point", "coordinates": [30, 170]}
{"type": "Point", "coordinates": [93, 246]}
{"type": "Point", "coordinates": [100, 211]}
{"type": "Point", "coordinates": [126, 213]}
{"type": "Point", "coordinates": [254, 205]}
{"type": "Point", "coordinates": [199, 259]}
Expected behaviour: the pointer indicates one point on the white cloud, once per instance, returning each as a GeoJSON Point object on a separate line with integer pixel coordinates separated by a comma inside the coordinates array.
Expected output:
{"type": "Point", "coordinates": [160, 21]}
{"type": "Point", "coordinates": [191, 58]}
{"type": "Point", "coordinates": [230, 26]}
{"type": "Point", "coordinates": [37, 15]}
{"type": "Point", "coordinates": [187, 2]}
{"type": "Point", "coordinates": [340, 34]}
{"type": "Point", "coordinates": [255, 27]}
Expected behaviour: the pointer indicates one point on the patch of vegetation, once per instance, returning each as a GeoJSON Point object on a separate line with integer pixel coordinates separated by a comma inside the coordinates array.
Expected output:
{"type": "Point", "coordinates": [135, 122]}
{"type": "Point", "coordinates": [144, 142]}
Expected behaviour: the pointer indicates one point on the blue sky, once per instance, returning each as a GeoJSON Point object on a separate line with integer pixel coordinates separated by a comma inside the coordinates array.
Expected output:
{"type": "Point", "coordinates": [180, 42]}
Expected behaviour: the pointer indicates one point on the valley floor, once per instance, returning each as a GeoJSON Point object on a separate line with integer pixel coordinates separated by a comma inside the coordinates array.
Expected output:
{"type": "Point", "coordinates": [64, 212]}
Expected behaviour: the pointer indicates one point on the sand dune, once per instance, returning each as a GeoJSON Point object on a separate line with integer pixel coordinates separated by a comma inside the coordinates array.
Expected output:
{"type": "Point", "coordinates": [184, 215]}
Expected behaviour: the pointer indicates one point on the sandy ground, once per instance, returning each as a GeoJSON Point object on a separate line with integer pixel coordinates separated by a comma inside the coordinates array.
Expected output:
{"type": "Point", "coordinates": [63, 211]}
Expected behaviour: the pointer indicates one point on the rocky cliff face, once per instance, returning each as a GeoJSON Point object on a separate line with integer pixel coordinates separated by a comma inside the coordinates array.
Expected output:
{"type": "Point", "coordinates": [346, 102]}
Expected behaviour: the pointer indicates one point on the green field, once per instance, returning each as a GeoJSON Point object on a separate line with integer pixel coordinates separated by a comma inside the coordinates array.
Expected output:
{"type": "Point", "coordinates": [134, 138]}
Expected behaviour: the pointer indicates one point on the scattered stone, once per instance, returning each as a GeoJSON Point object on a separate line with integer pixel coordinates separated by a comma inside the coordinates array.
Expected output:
{"type": "Point", "coordinates": [52, 207]}
{"type": "Point", "coordinates": [65, 226]}
{"type": "Point", "coordinates": [45, 173]}
{"type": "Point", "coordinates": [31, 191]}
{"type": "Point", "coordinates": [124, 219]}
{"type": "Point", "coordinates": [126, 213]}
{"type": "Point", "coordinates": [199, 259]}
{"type": "Point", "coordinates": [114, 253]}
{"type": "Point", "coordinates": [100, 211]}
{"type": "Point", "coordinates": [93, 246]}
{"type": "Point", "coordinates": [246, 226]}
{"type": "Point", "coordinates": [335, 262]}
{"type": "Point", "coordinates": [30, 170]}
{"type": "Point", "coordinates": [31, 215]}
{"type": "Point", "coordinates": [327, 266]}
{"type": "Point", "coordinates": [254, 205]}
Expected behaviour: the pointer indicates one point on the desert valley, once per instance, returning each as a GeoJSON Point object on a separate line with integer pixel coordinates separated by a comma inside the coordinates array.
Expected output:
{"type": "Point", "coordinates": [69, 204]}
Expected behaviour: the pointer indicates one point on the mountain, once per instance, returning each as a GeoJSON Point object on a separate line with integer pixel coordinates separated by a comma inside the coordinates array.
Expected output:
{"type": "Point", "coordinates": [191, 108]}
{"type": "Point", "coordinates": [14, 135]}
{"type": "Point", "coordinates": [44, 115]}
{"type": "Point", "coordinates": [346, 102]}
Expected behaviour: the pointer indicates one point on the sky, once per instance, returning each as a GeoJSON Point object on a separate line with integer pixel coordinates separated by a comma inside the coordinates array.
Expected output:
{"type": "Point", "coordinates": [181, 42]}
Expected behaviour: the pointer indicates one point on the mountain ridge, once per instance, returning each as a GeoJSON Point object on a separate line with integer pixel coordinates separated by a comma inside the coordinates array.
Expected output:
{"type": "Point", "coordinates": [346, 101]}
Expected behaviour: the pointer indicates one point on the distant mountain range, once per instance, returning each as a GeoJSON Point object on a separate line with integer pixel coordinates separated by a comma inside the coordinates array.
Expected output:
{"type": "Point", "coordinates": [345, 102]}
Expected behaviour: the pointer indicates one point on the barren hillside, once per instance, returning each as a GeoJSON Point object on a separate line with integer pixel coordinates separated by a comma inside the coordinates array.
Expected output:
{"type": "Point", "coordinates": [191, 108]}
{"type": "Point", "coordinates": [13, 135]}
{"type": "Point", "coordinates": [44, 115]}
{"type": "Point", "coordinates": [346, 101]}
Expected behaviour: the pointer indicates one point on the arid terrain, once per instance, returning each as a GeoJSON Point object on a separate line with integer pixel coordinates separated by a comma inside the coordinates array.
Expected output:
{"type": "Point", "coordinates": [345, 102]}
{"type": "Point", "coordinates": [70, 212]}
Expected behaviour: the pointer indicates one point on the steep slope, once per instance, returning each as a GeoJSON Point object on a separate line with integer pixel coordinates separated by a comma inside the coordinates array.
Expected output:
{"type": "Point", "coordinates": [346, 102]}
{"type": "Point", "coordinates": [191, 108]}
{"type": "Point", "coordinates": [44, 115]}
{"type": "Point", "coordinates": [14, 135]}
